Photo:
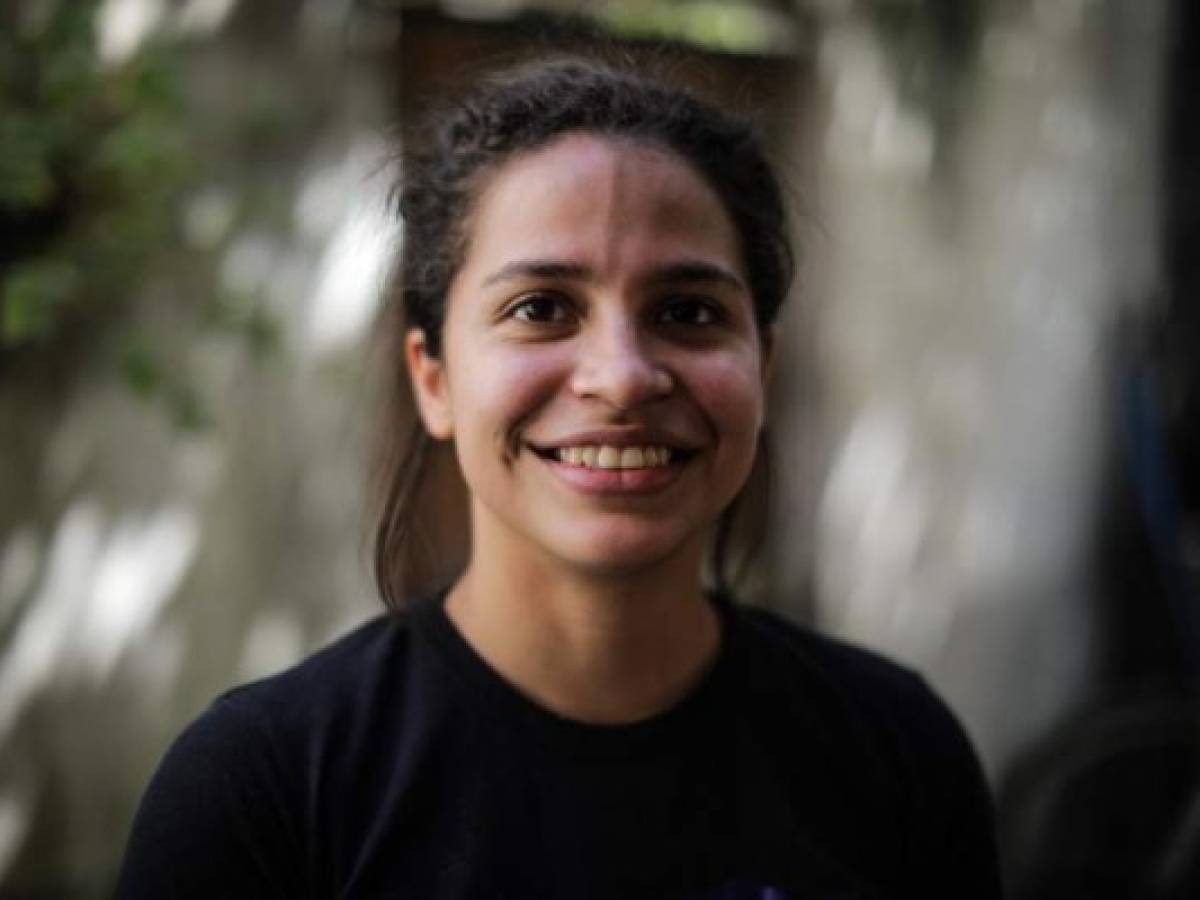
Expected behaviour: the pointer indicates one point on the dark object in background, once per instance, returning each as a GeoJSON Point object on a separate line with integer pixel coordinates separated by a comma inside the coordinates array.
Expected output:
{"type": "Point", "coordinates": [1109, 806]}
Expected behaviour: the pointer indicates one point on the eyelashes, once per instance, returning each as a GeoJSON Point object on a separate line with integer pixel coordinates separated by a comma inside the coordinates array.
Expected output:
{"type": "Point", "coordinates": [693, 311]}
{"type": "Point", "coordinates": [541, 309]}
{"type": "Point", "coordinates": [546, 308]}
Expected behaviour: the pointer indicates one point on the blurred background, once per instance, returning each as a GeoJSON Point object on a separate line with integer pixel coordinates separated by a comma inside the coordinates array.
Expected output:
{"type": "Point", "coordinates": [986, 419]}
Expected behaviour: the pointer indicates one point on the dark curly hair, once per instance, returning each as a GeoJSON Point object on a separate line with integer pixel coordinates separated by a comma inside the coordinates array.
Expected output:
{"type": "Point", "coordinates": [522, 109]}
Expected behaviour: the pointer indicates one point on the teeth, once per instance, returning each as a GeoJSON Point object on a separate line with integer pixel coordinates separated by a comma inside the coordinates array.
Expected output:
{"type": "Point", "coordinates": [608, 457]}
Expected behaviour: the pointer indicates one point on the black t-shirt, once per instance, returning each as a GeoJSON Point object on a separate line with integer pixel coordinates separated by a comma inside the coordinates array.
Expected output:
{"type": "Point", "coordinates": [395, 763]}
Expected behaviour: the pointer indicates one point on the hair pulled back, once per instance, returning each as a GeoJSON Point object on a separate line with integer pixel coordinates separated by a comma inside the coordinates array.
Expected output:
{"type": "Point", "coordinates": [521, 110]}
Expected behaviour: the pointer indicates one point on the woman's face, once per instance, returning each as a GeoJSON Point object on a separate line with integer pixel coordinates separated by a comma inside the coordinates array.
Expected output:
{"type": "Point", "coordinates": [601, 371]}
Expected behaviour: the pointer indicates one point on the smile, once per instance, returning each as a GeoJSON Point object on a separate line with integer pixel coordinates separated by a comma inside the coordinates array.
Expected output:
{"type": "Point", "coordinates": [604, 456]}
{"type": "Point", "coordinates": [610, 470]}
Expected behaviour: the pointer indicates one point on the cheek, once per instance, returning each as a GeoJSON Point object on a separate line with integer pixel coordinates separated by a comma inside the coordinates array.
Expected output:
{"type": "Point", "coordinates": [729, 388]}
{"type": "Point", "coordinates": [496, 390]}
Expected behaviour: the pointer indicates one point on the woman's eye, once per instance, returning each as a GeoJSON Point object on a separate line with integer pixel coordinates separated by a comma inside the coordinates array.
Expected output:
{"type": "Point", "coordinates": [690, 311]}
{"type": "Point", "coordinates": [539, 309]}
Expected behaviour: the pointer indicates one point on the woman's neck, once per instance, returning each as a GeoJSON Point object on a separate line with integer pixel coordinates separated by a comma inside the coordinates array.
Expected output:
{"type": "Point", "coordinates": [604, 649]}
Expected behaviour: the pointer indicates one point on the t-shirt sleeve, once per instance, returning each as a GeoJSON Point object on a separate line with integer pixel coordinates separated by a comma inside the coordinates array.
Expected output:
{"type": "Point", "coordinates": [215, 820]}
{"type": "Point", "coordinates": [952, 842]}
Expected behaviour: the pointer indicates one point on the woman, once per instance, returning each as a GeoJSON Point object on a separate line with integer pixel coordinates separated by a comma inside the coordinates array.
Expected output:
{"type": "Point", "coordinates": [591, 276]}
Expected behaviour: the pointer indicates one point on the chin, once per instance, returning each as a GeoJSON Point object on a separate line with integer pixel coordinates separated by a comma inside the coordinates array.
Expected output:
{"type": "Point", "coordinates": [626, 554]}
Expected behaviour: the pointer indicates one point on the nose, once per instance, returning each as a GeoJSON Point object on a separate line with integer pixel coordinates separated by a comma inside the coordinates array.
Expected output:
{"type": "Point", "coordinates": [616, 366]}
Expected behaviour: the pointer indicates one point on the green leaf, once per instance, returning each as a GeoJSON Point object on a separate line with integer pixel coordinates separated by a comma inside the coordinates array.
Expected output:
{"type": "Point", "coordinates": [138, 152]}
{"type": "Point", "coordinates": [188, 411]}
{"type": "Point", "coordinates": [141, 369]}
{"type": "Point", "coordinates": [26, 181]}
{"type": "Point", "coordinates": [35, 294]}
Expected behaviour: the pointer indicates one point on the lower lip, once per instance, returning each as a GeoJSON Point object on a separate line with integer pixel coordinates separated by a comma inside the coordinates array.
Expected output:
{"type": "Point", "coordinates": [619, 482]}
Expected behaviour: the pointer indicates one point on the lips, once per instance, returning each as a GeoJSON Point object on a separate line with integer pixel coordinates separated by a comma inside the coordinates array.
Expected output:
{"type": "Point", "coordinates": [616, 463]}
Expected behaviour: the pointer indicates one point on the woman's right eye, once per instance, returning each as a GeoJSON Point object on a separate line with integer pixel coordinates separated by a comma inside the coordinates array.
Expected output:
{"type": "Point", "coordinates": [540, 309]}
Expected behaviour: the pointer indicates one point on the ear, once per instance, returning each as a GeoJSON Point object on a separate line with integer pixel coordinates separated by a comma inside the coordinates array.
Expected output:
{"type": "Point", "coordinates": [432, 393]}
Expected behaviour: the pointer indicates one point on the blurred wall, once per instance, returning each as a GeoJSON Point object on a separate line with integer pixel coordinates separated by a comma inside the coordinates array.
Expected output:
{"type": "Point", "coordinates": [975, 267]}
{"type": "Point", "coordinates": [182, 486]}
{"type": "Point", "coordinates": [182, 478]}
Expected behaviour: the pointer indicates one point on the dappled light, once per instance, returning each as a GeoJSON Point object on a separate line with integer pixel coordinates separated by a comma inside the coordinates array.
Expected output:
{"type": "Point", "coordinates": [977, 400]}
{"type": "Point", "coordinates": [349, 280]}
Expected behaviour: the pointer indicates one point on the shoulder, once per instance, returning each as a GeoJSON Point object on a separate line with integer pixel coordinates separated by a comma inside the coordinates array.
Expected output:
{"type": "Point", "coordinates": [337, 674]}
{"type": "Point", "coordinates": [347, 698]}
{"type": "Point", "coordinates": [358, 654]}
{"type": "Point", "coordinates": [269, 732]}
{"type": "Point", "coordinates": [255, 723]}
{"type": "Point", "coordinates": [828, 663]}
{"type": "Point", "coordinates": [227, 810]}
{"type": "Point", "coordinates": [882, 723]}
{"type": "Point", "coordinates": [853, 692]}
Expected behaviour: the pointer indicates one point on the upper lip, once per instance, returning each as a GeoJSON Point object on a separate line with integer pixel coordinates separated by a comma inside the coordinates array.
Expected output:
{"type": "Point", "coordinates": [625, 437]}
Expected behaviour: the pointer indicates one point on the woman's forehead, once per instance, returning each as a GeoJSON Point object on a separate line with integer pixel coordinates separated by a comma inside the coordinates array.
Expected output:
{"type": "Point", "coordinates": [599, 201]}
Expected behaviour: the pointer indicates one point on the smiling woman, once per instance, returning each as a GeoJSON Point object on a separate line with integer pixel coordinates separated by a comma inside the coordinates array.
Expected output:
{"type": "Point", "coordinates": [600, 309]}
{"type": "Point", "coordinates": [590, 283]}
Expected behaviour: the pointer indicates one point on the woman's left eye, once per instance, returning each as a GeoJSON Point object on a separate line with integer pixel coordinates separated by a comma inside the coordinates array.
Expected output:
{"type": "Point", "coordinates": [539, 309]}
{"type": "Point", "coordinates": [690, 311]}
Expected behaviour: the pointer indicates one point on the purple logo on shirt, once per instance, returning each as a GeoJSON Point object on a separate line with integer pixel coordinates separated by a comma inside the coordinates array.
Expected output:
{"type": "Point", "coordinates": [742, 889]}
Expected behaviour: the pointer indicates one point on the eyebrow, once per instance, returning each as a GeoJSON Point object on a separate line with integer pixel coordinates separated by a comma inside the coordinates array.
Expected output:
{"type": "Point", "coordinates": [539, 268]}
{"type": "Point", "coordinates": [696, 272]}
{"type": "Point", "coordinates": [687, 271]}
